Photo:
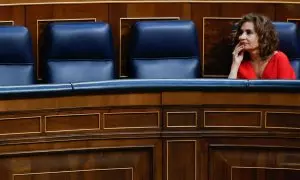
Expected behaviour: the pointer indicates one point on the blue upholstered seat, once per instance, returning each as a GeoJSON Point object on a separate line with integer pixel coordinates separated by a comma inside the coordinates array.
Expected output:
{"type": "Point", "coordinates": [16, 56]}
{"type": "Point", "coordinates": [288, 43]}
{"type": "Point", "coordinates": [78, 52]}
{"type": "Point", "coordinates": [164, 49]}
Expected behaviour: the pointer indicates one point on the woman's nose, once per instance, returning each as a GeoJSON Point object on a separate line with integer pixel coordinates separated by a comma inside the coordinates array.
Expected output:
{"type": "Point", "coordinates": [242, 36]}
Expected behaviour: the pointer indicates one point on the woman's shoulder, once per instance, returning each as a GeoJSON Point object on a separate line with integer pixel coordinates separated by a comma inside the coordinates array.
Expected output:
{"type": "Point", "coordinates": [279, 57]}
{"type": "Point", "coordinates": [280, 54]}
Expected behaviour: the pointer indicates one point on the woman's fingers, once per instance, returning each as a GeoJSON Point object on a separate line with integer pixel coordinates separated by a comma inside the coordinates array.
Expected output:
{"type": "Point", "coordinates": [238, 50]}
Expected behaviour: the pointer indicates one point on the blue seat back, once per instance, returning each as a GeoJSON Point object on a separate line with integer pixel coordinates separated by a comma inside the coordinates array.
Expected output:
{"type": "Point", "coordinates": [164, 50]}
{"type": "Point", "coordinates": [16, 56]}
{"type": "Point", "coordinates": [288, 43]}
{"type": "Point", "coordinates": [78, 52]}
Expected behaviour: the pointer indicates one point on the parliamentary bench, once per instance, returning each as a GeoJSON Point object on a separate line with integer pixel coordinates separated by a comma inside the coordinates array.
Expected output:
{"type": "Point", "coordinates": [143, 128]}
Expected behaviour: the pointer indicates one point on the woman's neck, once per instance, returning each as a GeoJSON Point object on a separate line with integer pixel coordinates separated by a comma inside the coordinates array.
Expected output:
{"type": "Point", "coordinates": [255, 56]}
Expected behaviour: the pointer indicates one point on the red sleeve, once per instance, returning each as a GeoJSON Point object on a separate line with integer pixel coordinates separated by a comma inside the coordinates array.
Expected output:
{"type": "Point", "coordinates": [285, 70]}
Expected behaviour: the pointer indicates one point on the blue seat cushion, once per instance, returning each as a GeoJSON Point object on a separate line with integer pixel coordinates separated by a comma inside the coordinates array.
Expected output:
{"type": "Point", "coordinates": [166, 68]}
{"type": "Point", "coordinates": [79, 71]}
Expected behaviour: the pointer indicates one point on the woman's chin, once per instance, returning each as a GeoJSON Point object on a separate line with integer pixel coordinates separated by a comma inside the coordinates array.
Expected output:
{"type": "Point", "coordinates": [249, 49]}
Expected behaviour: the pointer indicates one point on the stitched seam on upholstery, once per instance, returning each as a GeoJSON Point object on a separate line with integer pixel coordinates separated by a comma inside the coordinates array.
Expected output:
{"type": "Point", "coordinates": [16, 63]}
{"type": "Point", "coordinates": [248, 84]}
{"type": "Point", "coordinates": [71, 60]}
{"type": "Point", "coordinates": [158, 58]}
{"type": "Point", "coordinates": [72, 86]}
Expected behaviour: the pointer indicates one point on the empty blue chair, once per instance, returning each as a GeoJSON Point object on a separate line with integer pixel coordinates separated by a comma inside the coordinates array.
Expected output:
{"type": "Point", "coordinates": [78, 52]}
{"type": "Point", "coordinates": [288, 43]}
{"type": "Point", "coordinates": [16, 56]}
{"type": "Point", "coordinates": [164, 50]}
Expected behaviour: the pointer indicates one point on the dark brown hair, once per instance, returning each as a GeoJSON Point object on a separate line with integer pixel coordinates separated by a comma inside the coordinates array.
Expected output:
{"type": "Point", "coordinates": [267, 35]}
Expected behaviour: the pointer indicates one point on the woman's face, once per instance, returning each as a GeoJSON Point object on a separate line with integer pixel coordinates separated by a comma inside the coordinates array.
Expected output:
{"type": "Point", "coordinates": [248, 37]}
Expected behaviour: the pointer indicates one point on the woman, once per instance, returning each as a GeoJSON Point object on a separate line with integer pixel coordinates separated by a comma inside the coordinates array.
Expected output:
{"type": "Point", "coordinates": [255, 55]}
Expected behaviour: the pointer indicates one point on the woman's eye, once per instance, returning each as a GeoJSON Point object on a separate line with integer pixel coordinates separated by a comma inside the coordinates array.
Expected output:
{"type": "Point", "coordinates": [249, 32]}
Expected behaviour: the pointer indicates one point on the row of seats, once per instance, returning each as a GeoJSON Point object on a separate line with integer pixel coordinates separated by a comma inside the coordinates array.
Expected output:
{"type": "Point", "coordinates": [84, 51]}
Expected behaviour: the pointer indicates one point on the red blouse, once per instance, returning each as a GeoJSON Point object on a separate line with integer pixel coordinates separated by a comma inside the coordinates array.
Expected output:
{"type": "Point", "coordinates": [278, 67]}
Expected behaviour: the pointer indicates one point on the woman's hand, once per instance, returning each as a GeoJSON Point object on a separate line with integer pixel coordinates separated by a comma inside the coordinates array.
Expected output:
{"type": "Point", "coordinates": [237, 58]}
{"type": "Point", "coordinates": [238, 54]}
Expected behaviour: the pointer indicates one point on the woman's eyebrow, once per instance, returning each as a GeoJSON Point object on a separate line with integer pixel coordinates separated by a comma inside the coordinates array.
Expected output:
{"type": "Point", "coordinates": [247, 30]}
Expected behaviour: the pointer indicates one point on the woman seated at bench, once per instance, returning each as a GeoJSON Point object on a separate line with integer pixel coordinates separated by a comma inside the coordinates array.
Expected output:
{"type": "Point", "coordinates": [255, 55]}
